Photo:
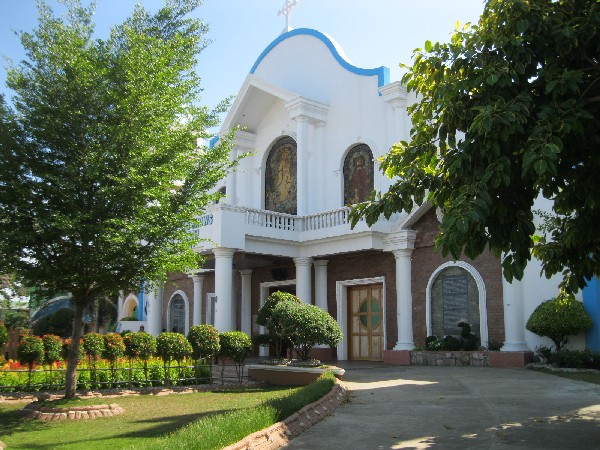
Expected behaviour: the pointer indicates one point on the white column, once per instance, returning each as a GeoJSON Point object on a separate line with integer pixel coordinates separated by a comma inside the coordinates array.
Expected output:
{"type": "Point", "coordinates": [153, 298]}
{"type": "Point", "coordinates": [198, 286]}
{"type": "Point", "coordinates": [321, 283]}
{"type": "Point", "coordinates": [120, 305]}
{"type": "Point", "coordinates": [514, 321]}
{"type": "Point", "coordinates": [303, 279]}
{"type": "Point", "coordinates": [223, 289]}
{"type": "Point", "coordinates": [404, 299]}
{"type": "Point", "coordinates": [302, 164]}
{"type": "Point", "coordinates": [245, 310]}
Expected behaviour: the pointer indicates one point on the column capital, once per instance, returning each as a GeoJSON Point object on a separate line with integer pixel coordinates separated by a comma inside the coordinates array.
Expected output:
{"type": "Point", "coordinates": [223, 252]}
{"type": "Point", "coordinates": [320, 262]}
{"type": "Point", "coordinates": [303, 261]}
{"type": "Point", "coordinates": [402, 253]}
{"type": "Point", "coordinates": [245, 272]}
{"type": "Point", "coordinates": [197, 277]}
{"type": "Point", "coordinates": [400, 240]}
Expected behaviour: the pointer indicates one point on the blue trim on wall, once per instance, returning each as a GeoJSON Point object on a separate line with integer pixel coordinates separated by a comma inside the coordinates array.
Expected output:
{"type": "Point", "coordinates": [382, 73]}
{"type": "Point", "coordinates": [141, 304]}
{"type": "Point", "coordinates": [213, 141]}
{"type": "Point", "coordinates": [591, 302]}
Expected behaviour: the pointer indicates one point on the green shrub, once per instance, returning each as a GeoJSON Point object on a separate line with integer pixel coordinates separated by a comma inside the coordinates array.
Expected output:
{"type": "Point", "coordinates": [205, 341]}
{"type": "Point", "coordinates": [576, 359]}
{"type": "Point", "coordinates": [205, 345]}
{"type": "Point", "coordinates": [52, 348]}
{"type": "Point", "coordinates": [30, 351]}
{"type": "Point", "coordinates": [172, 347]}
{"type": "Point", "coordinates": [265, 318]}
{"type": "Point", "coordinates": [235, 345]}
{"type": "Point", "coordinates": [306, 326]}
{"type": "Point", "coordinates": [139, 345]}
{"type": "Point", "coordinates": [114, 347]}
{"type": "Point", "coordinates": [559, 318]}
{"type": "Point", "coordinates": [93, 345]}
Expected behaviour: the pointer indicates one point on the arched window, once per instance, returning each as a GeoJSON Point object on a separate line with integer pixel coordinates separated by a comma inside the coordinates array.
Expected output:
{"type": "Point", "coordinates": [454, 299]}
{"type": "Point", "coordinates": [177, 314]}
{"type": "Point", "coordinates": [358, 174]}
{"type": "Point", "coordinates": [280, 177]}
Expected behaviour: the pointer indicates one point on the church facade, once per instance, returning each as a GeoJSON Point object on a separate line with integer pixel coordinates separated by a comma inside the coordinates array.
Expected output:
{"type": "Point", "coordinates": [315, 125]}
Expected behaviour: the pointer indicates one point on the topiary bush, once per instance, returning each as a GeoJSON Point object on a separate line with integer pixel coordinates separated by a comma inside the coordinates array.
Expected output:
{"type": "Point", "coordinates": [559, 318]}
{"type": "Point", "coordinates": [275, 335]}
{"type": "Point", "coordinates": [306, 326]}
{"type": "Point", "coordinates": [205, 343]}
{"type": "Point", "coordinates": [93, 345]}
{"type": "Point", "coordinates": [114, 348]}
{"type": "Point", "coordinates": [52, 348]}
{"type": "Point", "coordinates": [30, 351]}
{"type": "Point", "coordinates": [172, 346]}
{"type": "Point", "coordinates": [139, 345]}
{"type": "Point", "coordinates": [468, 341]}
{"type": "Point", "coordinates": [235, 345]}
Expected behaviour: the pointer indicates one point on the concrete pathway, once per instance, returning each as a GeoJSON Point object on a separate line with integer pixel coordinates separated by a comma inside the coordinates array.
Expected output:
{"type": "Point", "coordinates": [396, 407]}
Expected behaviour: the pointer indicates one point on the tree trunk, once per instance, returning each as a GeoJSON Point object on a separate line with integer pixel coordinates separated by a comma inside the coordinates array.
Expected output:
{"type": "Point", "coordinates": [73, 356]}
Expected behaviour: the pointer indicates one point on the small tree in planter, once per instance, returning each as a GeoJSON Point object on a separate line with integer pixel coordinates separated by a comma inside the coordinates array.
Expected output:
{"type": "Point", "coordinates": [235, 345]}
{"type": "Point", "coordinates": [114, 348]}
{"type": "Point", "coordinates": [172, 346]}
{"type": "Point", "coordinates": [306, 326]}
{"type": "Point", "coordinates": [52, 351]}
{"type": "Point", "coordinates": [559, 318]}
{"type": "Point", "coordinates": [30, 351]}
{"type": "Point", "coordinates": [140, 345]}
{"type": "Point", "coordinates": [205, 344]}
{"type": "Point", "coordinates": [275, 336]}
{"type": "Point", "coordinates": [93, 345]}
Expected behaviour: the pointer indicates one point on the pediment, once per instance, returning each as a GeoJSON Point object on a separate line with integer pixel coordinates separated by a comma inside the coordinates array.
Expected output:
{"type": "Point", "coordinates": [256, 97]}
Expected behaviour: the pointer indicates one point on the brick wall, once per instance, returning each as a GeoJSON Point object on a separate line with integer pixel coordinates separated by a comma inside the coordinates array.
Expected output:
{"type": "Point", "coordinates": [425, 261]}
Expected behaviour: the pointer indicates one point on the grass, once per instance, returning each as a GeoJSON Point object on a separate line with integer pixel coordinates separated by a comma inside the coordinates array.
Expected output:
{"type": "Point", "coordinates": [207, 420]}
{"type": "Point", "coordinates": [146, 418]}
{"type": "Point", "coordinates": [588, 377]}
{"type": "Point", "coordinates": [218, 431]}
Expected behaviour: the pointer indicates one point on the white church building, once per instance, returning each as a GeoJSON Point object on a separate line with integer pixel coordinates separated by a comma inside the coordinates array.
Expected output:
{"type": "Point", "coordinates": [315, 126]}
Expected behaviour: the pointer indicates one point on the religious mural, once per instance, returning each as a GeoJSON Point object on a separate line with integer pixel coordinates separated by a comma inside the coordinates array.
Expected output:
{"type": "Point", "coordinates": [358, 174]}
{"type": "Point", "coordinates": [280, 177]}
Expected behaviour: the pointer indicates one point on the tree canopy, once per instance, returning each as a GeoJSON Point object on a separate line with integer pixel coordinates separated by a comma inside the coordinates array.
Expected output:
{"type": "Point", "coordinates": [102, 179]}
{"type": "Point", "coordinates": [507, 112]}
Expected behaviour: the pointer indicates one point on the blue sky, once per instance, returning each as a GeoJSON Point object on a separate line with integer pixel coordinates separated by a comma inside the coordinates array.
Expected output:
{"type": "Point", "coordinates": [372, 33]}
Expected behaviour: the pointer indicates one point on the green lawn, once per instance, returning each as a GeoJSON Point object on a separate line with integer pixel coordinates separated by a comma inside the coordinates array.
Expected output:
{"type": "Point", "coordinates": [146, 418]}
{"type": "Point", "coordinates": [579, 376]}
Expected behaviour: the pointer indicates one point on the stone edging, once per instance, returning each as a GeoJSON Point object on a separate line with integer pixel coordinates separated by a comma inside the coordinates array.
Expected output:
{"type": "Point", "coordinates": [73, 413]}
{"type": "Point", "coordinates": [279, 434]}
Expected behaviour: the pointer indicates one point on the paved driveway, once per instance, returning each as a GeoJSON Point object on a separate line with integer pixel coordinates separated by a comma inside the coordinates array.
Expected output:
{"type": "Point", "coordinates": [395, 407]}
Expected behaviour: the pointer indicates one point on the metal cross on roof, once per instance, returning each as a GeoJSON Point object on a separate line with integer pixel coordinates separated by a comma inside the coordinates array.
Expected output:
{"type": "Point", "coordinates": [287, 11]}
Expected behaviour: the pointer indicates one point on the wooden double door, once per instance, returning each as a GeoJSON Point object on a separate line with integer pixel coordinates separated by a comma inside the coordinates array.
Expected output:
{"type": "Point", "coordinates": [365, 322]}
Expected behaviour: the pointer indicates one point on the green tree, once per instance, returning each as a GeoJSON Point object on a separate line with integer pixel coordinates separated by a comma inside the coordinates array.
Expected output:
{"type": "Point", "coordinates": [140, 345]}
{"type": "Point", "coordinates": [102, 179]}
{"type": "Point", "coordinates": [508, 111]}
{"type": "Point", "coordinates": [235, 345]}
{"type": "Point", "coordinates": [172, 346]}
{"type": "Point", "coordinates": [559, 318]}
{"type": "Point", "coordinates": [205, 344]}
{"type": "Point", "coordinates": [30, 351]}
{"type": "Point", "coordinates": [275, 334]}
{"type": "Point", "coordinates": [114, 348]}
{"type": "Point", "coordinates": [306, 326]}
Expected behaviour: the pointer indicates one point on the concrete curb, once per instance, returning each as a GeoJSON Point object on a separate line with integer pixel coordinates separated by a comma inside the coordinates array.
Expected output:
{"type": "Point", "coordinates": [279, 434]}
